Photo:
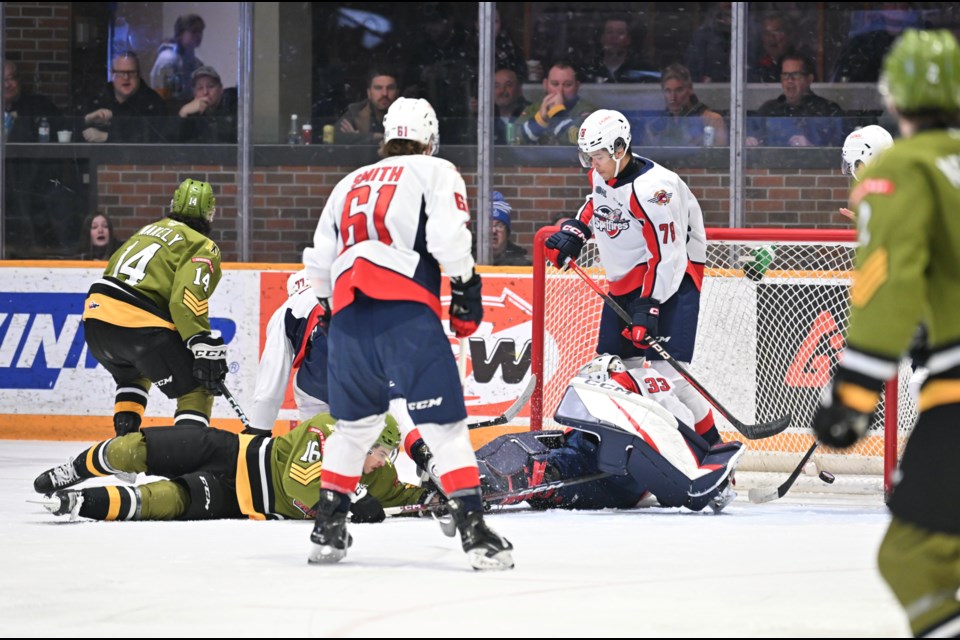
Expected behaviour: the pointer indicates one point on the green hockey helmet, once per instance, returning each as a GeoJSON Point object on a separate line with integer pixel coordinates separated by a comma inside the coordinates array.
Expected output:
{"type": "Point", "coordinates": [390, 436]}
{"type": "Point", "coordinates": [194, 199]}
{"type": "Point", "coordinates": [922, 72]}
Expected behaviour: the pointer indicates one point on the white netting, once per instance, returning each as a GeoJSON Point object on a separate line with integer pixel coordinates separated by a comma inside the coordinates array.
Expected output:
{"type": "Point", "coordinates": [764, 348]}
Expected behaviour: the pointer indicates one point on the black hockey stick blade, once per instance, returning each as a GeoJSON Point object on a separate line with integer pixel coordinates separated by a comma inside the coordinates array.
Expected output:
{"type": "Point", "coordinates": [513, 410]}
{"type": "Point", "coordinates": [762, 429]}
{"type": "Point", "coordinates": [766, 494]}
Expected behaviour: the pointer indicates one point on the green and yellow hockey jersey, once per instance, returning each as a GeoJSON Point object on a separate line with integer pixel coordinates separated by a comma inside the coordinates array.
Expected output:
{"type": "Point", "coordinates": [908, 265]}
{"type": "Point", "coordinates": [161, 277]}
{"type": "Point", "coordinates": [280, 477]}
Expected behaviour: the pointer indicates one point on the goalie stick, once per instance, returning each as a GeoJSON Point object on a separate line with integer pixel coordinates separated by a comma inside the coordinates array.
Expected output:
{"type": "Point", "coordinates": [750, 431]}
{"type": "Point", "coordinates": [766, 494]}
{"type": "Point", "coordinates": [494, 499]}
{"type": "Point", "coordinates": [513, 410]}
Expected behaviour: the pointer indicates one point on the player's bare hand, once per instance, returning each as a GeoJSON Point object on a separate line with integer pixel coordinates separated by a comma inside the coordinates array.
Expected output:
{"type": "Point", "coordinates": [846, 212]}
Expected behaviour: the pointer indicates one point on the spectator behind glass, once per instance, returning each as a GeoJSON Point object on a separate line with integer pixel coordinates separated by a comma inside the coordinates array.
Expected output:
{"type": "Point", "coordinates": [172, 73]}
{"type": "Point", "coordinates": [97, 241]}
{"type": "Point", "coordinates": [506, 253]}
{"type": "Point", "coordinates": [509, 103]}
{"type": "Point", "coordinates": [362, 122]}
{"type": "Point", "coordinates": [506, 56]}
{"type": "Point", "coordinates": [617, 61]}
{"type": "Point", "coordinates": [872, 32]}
{"type": "Point", "coordinates": [211, 117]}
{"type": "Point", "coordinates": [708, 56]}
{"type": "Point", "coordinates": [27, 109]}
{"type": "Point", "coordinates": [798, 117]}
{"type": "Point", "coordinates": [557, 118]}
{"type": "Point", "coordinates": [777, 42]}
{"type": "Point", "coordinates": [682, 122]}
{"type": "Point", "coordinates": [126, 110]}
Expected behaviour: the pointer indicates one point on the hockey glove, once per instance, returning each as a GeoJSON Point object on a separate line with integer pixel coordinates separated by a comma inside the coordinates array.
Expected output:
{"type": "Point", "coordinates": [367, 509]}
{"type": "Point", "coordinates": [835, 423]}
{"type": "Point", "coordinates": [646, 320]}
{"type": "Point", "coordinates": [420, 453]}
{"type": "Point", "coordinates": [567, 243]}
{"type": "Point", "coordinates": [466, 306]}
{"type": "Point", "coordinates": [209, 361]}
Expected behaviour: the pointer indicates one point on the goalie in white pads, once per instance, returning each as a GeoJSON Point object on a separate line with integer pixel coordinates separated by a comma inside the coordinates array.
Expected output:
{"type": "Point", "coordinates": [649, 231]}
{"type": "Point", "coordinates": [619, 431]}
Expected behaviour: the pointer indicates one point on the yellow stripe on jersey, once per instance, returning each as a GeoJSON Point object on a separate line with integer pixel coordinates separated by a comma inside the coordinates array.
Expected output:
{"type": "Point", "coordinates": [244, 492]}
{"type": "Point", "coordinates": [195, 304]}
{"type": "Point", "coordinates": [856, 397]}
{"type": "Point", "coordinates": [134, 407]}
{"type": "Point", "coordinates": [119, 313]}
{"type": "Point", "coordinates": [868, 278]}
{"type": "Point", "coordinates": [939, 392]}
{"type": "Point", "coordinates": [308, 474]}
{"type": "Point", "coordinates": [113, 510]}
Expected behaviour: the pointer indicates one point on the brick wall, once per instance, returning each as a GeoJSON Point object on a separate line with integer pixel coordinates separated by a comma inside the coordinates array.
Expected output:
{"type": "Point", "coordinates": [38, 40]}
{"type": "Point", "coordinates": [287, 200]}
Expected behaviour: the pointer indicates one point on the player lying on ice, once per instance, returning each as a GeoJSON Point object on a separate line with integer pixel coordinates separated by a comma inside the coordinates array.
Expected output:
{"type": "Point", "coordinates": [218, 474]}
{"type": "Point", "coordinates": [619, 431]}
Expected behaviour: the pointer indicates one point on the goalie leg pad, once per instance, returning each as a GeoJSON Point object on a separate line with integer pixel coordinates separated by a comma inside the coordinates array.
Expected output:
{"type": "Point", "coordinates": [210, 497]}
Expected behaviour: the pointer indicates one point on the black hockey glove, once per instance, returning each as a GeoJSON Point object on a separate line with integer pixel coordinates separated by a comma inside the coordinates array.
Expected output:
{"type": "Point", "coordinates": [567, 243]}
{"type": "Point", "coordinates": [367, 509]}
{"type": "Point", "coordinates": [209, 361]}
{"type": "Point", "coordinates": [420, 454]}
{"type": "Point", "coordinates": [646, 322]}
{"type": "Point", "coordinates": [325, 314]}
{"type": "Point", "coordinates": [836, 424]}
{"type": "Point", "coordinates": [466, 305]}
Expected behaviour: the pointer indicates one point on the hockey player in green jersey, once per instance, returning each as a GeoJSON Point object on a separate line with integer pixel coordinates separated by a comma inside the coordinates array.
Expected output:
{"type": "Point", "coordinates": [146, 320]}
{"type": "Point", "coordinates": [218, 474]}
{"type": "Point", "coordinates": [908, 273]}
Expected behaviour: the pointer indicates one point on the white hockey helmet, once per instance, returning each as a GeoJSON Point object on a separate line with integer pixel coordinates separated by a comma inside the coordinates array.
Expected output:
{"type": "Point", "coordinates": [297, 282]}
{"type": "Point", "coordinates": [603, 129]}
{"type": "Point", "coordinates": [601, 368]}
{"type": "Point", "coordinates": [412, 119]}
{"type": "Point", "coordinates": [862, 146]}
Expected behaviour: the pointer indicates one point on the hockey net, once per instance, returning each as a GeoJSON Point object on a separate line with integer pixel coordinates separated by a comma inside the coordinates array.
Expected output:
{"type": "Point", "coordinates": [764, 348]}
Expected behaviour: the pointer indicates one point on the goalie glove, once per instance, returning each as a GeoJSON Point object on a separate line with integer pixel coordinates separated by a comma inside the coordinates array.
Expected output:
{"type": "Point", "coordinates": [466, 305]}
{"type": "Point", "coordinates": [646, 322]}
{"type": "Point", "coordinates": [567, 243]}
{"type": "Point", "coordinates": [209, 361]}
{"type": "Point", "coordinates": [836, 423]}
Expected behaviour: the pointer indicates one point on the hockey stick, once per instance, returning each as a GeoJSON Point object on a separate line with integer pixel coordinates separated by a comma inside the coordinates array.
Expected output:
{"type": "Point", "coordinates": [766, 494]}
{"type": "Point", "coordinates": [513, 410]}
{"type": "Point", "coordinates": [236, 405]}
{"type": "Point", "coordinates": [493, 499]}
{"type": "Point", "coordinates": [751, 431]}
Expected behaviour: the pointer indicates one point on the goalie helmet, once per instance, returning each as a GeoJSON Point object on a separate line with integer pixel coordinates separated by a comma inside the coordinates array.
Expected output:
{"type": "Point", "coordinates": [297, 282]}
{"type": "Point", "coordinates": [194, 199]}
{"type": "Point", "coordinates": [604, 129]}
{"type": "Point", "coordinates": [601, 368]}
{"type": "Point", "coordinates": [862, 146]}
{"type": "Point", "coordinates": [412, 119]}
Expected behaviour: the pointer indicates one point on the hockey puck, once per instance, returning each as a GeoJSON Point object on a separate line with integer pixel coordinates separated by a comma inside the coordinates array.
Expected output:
{"type": "Point", "coordinates": [827, 477]}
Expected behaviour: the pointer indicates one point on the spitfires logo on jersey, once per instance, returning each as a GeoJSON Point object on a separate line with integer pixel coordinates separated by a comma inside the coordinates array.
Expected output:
{"type": "Point", "coordinates": [661, 198]}
{"type": "Point", "coordinates": [610, 221]}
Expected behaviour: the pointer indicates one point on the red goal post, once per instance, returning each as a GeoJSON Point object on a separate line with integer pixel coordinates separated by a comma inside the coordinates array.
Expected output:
{"type": "Point", "coordinates": [765, 346]}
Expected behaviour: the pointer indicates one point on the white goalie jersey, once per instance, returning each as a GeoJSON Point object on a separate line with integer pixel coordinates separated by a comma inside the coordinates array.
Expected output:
{"type": "Point", "coordinates": [415, 207]}
{"type": "Point", "coordinates": [649, 230]}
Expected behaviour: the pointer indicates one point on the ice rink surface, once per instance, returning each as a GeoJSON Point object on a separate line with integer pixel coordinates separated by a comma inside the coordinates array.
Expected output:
{"type": "Point", "coordinates": [798, 567]}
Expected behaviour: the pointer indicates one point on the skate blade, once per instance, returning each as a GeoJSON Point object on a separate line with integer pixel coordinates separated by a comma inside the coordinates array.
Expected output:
{"type": "Point", "coordinates": [500, 561]}
{"type": "Point", "coordinates": [325, 554]}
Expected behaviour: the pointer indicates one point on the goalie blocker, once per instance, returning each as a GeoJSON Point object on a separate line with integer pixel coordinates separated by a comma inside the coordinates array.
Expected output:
{"type": "Point", "coordinates": [638, 442]}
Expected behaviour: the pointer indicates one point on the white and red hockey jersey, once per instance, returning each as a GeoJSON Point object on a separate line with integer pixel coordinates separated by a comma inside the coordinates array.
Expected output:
{"type": "Point", "coordinates": [414, 209]}
{"type": "Point", "coordinates": [649, 230]}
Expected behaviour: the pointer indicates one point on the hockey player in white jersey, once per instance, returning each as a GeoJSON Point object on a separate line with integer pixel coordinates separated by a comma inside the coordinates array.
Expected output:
{"type": "Point", "coordinates": [650, 235]}
{"type": "Point", "coordinates": [296, 339]}
{"type": "Point", "coordinates": [384, 233]}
